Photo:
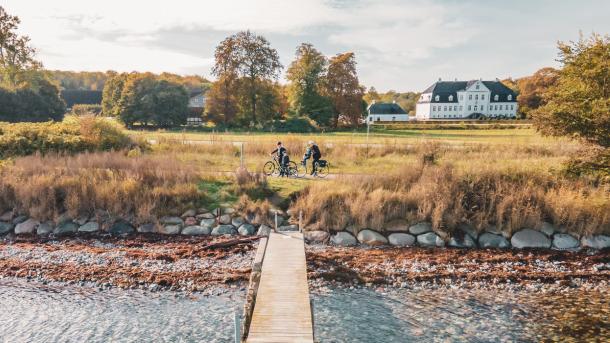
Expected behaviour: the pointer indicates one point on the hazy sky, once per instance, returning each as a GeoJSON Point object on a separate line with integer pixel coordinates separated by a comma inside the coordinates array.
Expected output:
{"type": "Point", "coordinates": [399, 44]}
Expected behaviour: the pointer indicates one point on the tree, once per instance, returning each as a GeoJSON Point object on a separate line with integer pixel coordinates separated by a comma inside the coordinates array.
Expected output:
{"type": "Point", "coordinates": [111, 94]}
{"type": "Point", "coordinates": [257, 61]}
{"type": "Point", "coordinates": [371, 95]}
{"type": "Point", "coordinates": [248, 56]}
{"type": "Point", "coordinates": [222, 98]}
{"type": "Point", "coordinates": [531, 89]}
{"type": "Point", "coordinates": [578, 104]}
{"type": "Point", "coordinates": [343, 88]}
{"type": "Point", "coordinates": [16, 54]}
{"type": "Point", "coordinates": [306, 75]}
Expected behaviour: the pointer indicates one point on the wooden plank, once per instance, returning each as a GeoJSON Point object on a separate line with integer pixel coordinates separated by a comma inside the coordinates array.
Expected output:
{"type": "Point", "coordinates": [282, 312]}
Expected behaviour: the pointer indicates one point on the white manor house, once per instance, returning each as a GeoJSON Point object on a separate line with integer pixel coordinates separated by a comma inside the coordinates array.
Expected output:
{"type": "Point", "coordinates": [466, 100]}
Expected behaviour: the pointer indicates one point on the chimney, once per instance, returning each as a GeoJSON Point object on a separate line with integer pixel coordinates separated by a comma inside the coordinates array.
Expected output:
{"type": "Point", "coordinates": [456, 79]}
{"type": "Point", "coordinates": [439, 79]}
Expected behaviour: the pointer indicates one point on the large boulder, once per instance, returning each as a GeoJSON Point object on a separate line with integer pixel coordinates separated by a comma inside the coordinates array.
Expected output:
{"type": "Point", "coordinates": [189, 213]}
{"type": "Point", "coordinates": [490, 240]}
{"type": "Point", "coordinates": [493, 229]}
{"type": "Point", "coordinates": [317, 236]}
{"type": "Point", "coordinates": [343, 239]}
{"type": "Point", "coordinates": [225, 219]}
{"type": "Point", "coordinates": [564, 241]}
{"type": "Point", "coordinates": [172, 221]}
{"type": "Point", "coordinates": [288, 228]}
{"type": "Point", "coordinates": [224, 230]}
{"type": "Point", "coordinates": [596, 242]}
{"type": "Point", "coordinates": [146, 228]}
{"type": "Point", "coordinates": [190, 221]}
{"type": "Point", "coordinates": [44, 228]}
{"type": "Point", "coordinates": [19, 219]}
{"type": "Point", "coordinates": [469, 230]}
{"type": "Point", "coordinates": [400, 239]}
{"type": "Point", "coordinates": [398, 225]}
{"type": "Point", "coordinates": [89, 227]}
{"type": "Point", "coordinates": [208, 222]}
{"type": "Point", "coordinates": [27, 226]}
{"type": "Point", "coordinates": [6, 227]}
{"type": "Point", "coordinates": [264, 230]}
{"type": "Point", "coordinates": [238, 221]}
{"type": "Point", "coordinates": [548, 229]}
{"type": "Point", "coordinates": [246, 229]}
{"type": "Point", "coordinates": [121, 227]}
{"type": "Point", "coordinates": [206, 216]}
{"type": "Point", "coordinates": [228, 210]}
{"type": "Point", "coordinates": [196, 230]}
{"type": "Point", "coordinates": [7, 217]}
{"type": "Point", "coordinates": [430, 239]}
{"type": "Point", "coordinates": [420, 228]}
{"type": "Point", "coordinates": [373, 238]}
{"type": "Point", "coordinates": [66, 228]}
{"type": "Point", "coordinates": [169, 229]}
{"type": "Point", "coordinates": [528, 238]}
{"type": "Point", "coordinates": [462, 241]}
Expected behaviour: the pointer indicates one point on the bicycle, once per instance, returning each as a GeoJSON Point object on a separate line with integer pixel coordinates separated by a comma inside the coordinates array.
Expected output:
{"type": "Point", "coordinates": [322, 169]}
{"type": "Point", "coordinates": [273, 168]}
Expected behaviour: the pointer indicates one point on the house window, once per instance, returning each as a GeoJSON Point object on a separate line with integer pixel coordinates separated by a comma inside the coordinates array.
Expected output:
{"type": "Point", "coordinates": [437, 98]}
{"type": "Point", "coordinates": [512, 107]}
{"type": "Point", "coordinates": [451, 98]}
{"type": "Point", "coordinates": [469, 107]}
{"type": "Point", "coordinates": [476, 97]}
{"type": "Point", "coordinates": [433, 108]}
{"type": "Point", "coordinates": [510, 97]}
{"type": "Point", "coordinates": [445, 108]}
{"type": "Point", "coordinates": [393, 118]}
{"type": "Point", "coordinates": [477, 86]}
{"type": "Point", "coordinates": [491, 107]}
{"type": "Point", "coordinates": [469, 96]}
{"type": "Point", "coordinates": [475, 107]}
{"type": "Point", "coordinates": [496, 97]}
{"type": "Point", "coordinates": [370, 118]}
{"type": "Point", "coordinates": [482, 96]}
{"type": "Point", "coordinates": [496, 107]}
{"type": "Point", "coordinates": [461, 97]}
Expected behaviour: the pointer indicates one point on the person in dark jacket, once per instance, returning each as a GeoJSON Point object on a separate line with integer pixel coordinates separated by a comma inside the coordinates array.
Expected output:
{"type": "Point", "coordinates": [282, 158]}
{"type": "Point", "coordinates": [313, 152]}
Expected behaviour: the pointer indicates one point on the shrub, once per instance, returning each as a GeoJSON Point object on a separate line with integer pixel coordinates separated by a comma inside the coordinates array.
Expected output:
{"type": "Point", "coordinates": [295, 125]}
{"type": "Point", "coordinates": [70, 136]}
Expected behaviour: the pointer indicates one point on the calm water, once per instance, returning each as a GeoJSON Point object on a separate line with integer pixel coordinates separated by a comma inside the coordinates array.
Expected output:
{"type": "Point", "coordinates": [460, 316]}
{"type": "Point", "coordinates": [35, 313]}
{"type": "Point", "coordinates": [30, 313]}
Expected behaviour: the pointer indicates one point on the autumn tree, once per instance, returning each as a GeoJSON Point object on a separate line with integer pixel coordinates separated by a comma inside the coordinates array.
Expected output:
{"type": "Point", "coordinates": [249, 57]}
{"type": "Point", "coordinates": [343, 88]}
{"type": "Point", "coordinates": [532, 88]}
{"type": "Point", "coordinates": [306, 75]}
{"type": "Point", "coordinates": [16, 54]}
{"type": "Point", "coordinates": [578, 104]}
{"type": "Point", "coordinates": [222, 99]}
{"type": "Point", "coordinates": [111, 95]}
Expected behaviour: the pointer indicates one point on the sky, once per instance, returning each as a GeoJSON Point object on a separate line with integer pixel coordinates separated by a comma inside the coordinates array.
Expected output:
{"type": "Point", "coordinates": [402, 45]}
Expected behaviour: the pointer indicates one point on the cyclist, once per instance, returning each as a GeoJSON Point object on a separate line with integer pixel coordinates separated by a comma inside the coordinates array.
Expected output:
{"type": "Point", "coordinates": [282, 158]}
{"type": "Point", "coordinates": [313, 152]}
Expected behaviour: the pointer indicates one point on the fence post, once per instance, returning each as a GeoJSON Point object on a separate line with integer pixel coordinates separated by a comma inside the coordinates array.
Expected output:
{"type": "Point", "coordinates": [301, 221]}
{"type": "Point", "coordinates": [241, 154]}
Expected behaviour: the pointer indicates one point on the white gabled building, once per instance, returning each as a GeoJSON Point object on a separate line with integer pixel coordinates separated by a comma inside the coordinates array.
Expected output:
{"type": "Point", "coordinates": [466, 100]}
{"type": "Point", "coordinates": [385, 112]}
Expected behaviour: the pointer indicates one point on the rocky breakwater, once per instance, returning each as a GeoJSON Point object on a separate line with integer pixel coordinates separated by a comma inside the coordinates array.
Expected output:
{"type": "Point", "coordinates": [194, 222]}
{"type": "Point", "coordinates": [400, 233]}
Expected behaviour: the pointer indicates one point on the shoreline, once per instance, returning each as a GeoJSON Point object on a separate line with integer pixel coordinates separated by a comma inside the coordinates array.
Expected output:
{"type": "Point", "coordinates": [213, 265]}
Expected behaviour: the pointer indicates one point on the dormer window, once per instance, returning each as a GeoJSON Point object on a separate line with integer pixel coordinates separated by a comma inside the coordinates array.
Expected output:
{"type": "Point", "coordinates": [451, 98]}
{"type": "Point", "coordinates": [437, 98]}
{"type": "Point", "coordinates": [510, 97]}
{"type": "Point", "coordinates": [496, 97]}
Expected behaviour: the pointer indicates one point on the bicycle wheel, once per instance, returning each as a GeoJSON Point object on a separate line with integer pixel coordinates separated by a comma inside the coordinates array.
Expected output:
{"type": "Point", "coordinates": [323, 171]}
{"type": "Point", "coordinates": [269, 168]}
{"type": "Point", "coordinates": [302, 170]}
{"type": "Point", "coordinates": [293, 169]}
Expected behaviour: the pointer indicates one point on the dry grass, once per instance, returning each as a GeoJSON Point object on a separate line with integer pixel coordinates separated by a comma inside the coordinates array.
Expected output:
{"type": "Point", "coordinates": [447, 196]}
{"type": "Point", "coordinates": [140, 187]}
